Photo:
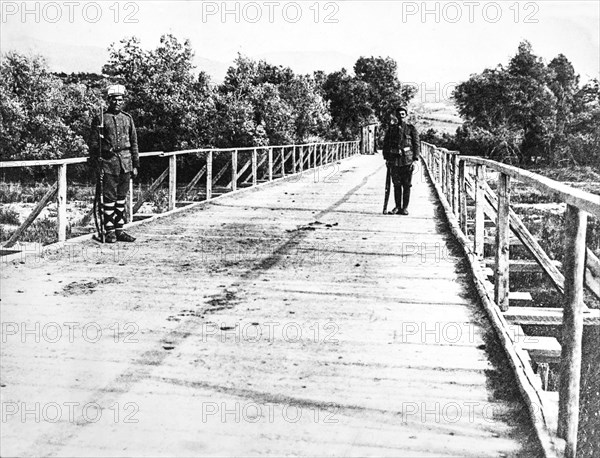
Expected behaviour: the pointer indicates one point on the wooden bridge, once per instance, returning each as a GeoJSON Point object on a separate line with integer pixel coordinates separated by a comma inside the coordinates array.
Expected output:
{"type": "Point", "coordinates": [293, 318]}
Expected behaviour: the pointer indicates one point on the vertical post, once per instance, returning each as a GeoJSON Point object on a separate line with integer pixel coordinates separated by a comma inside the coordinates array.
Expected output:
{"type": "Point", "coordinates": [455, 184]}
{"type": "Point", "coordinates": [234, 169]}
{"type": "Point", "coordinates": [270, 153]}
{"type": "Point", "coordinates": [449, 177]}
{"type": "Point", "coordinates": [61, 203]}
{"type": "Point", "coordinates": [209, 174]}
{"type": "Point", "coordinates": [301, 154]}
{"type": "Point", "coordinates": [254, 167]}
{"type": "Point", "coordinates": [572, 330]}
{"type": "Point", "coordinates": [479, 214]}
{"type": "Point", "coordinates": [282, 161]}
{"type": "Point", "coordinates": [294, 160]}
{"type": "Point", "coordinates": [462, 191]}
{"type": "Point", "coordinates": [501, 273]}
{"type": "Point", "coordinates": [172, 180]}
{"type": "Point", "coordinates": [130, 202]}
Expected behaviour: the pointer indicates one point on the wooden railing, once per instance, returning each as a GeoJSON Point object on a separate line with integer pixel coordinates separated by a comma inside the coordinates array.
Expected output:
{"type": "Point", "coordinates": [272, 161]}
{"type": "Point", "coordinates": [460, 180]}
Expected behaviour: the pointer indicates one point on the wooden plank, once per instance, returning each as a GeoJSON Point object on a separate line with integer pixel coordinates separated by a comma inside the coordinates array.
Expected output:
{"type": "Point", "coordinates": [241, 172]}
{"type": "Point", "coordinates": [61, 203]}
{"type": "Point", "coordinates": [501, 277]}
{"type": "Point", "coordinates": [254, 167]}
{"type": "Point", "coordinates": [32, 216]}
{"type": "Point", "coordinates": [520, 296]}
{"type": "Point", "coordinates": [221, 172]}
{"type": "Point", "coordinates": [234, 170]}
{"type": "Point", "coordinates": [462, 190]}
{"type": "Point", "coordinates": [576, 197]}
{"type": "Point", "coordinates": [49, 162]}
{"type": "Point", "coordinates": [172, 182]}
{"type": "Point", "coordinates": [479, 211]}
{"type": "Point", "coordinates": [455, 186]}
{"type": "Point", "coordinates": [153, 187]}
{"type": "Point", "coordinates": [523, 265]}
{"type": "Point", "coordinates": [270, 166]}
{"type": "Point", "coordinates": [194, 181]}
{"type": "Point", "coordinates": [592, 272]}
{"type": "Point", "coordinates": [542, 349]}
{"type": "Point", "coordinates": [209, 173]}
{"type": "Point", "coordinates": [572, 332]}
{"type": "Point", "coordinates": [547, 316]}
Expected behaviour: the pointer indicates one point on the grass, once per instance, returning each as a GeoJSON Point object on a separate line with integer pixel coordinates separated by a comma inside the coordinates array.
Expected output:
{"type": "Point", "coordinates": [9, 216]}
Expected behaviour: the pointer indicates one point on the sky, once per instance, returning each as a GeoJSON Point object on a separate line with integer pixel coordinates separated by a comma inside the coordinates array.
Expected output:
{"type": "Point", "coordinates": [432, 42]}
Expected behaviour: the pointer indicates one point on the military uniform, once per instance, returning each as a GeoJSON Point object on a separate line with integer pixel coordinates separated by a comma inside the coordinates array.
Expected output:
{"type": "Point", "coordinates": [401, 148]}
{"type": "Point", "coordinates": [114, 154]}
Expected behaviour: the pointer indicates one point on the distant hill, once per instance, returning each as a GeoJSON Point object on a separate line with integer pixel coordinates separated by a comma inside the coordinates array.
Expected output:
{"type": "Point", "coordinates": [441, 116]}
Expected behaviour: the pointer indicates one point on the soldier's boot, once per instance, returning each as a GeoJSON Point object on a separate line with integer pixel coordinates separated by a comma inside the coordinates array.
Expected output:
{"type": "Point", "coordinates": [109, 221]}
{"type": "Point", "coordinates": [405, 201]}
{"type": "Point", "coordinates": [110, 237]}
{"type": "Point", "coordinates": [123, 236]}
{"type": "Point", "coordinates": [398, 199]}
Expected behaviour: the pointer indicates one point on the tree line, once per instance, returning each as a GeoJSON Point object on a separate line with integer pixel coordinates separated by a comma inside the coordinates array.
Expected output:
{"type": "Point", "coordinates": [46, 115]}
{"type": "Point", "coordinates": [528, 112]}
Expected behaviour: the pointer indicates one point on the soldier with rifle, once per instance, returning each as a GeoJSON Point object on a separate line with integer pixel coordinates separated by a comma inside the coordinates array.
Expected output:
{"type": "Point", "coordinates": [115, 158]}
{"type": "Point", "coordinates": [401, 149]}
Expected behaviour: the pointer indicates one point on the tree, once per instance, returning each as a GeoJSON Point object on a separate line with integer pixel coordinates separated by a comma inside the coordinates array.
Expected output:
{"type": "Point", "coordinates": [172, 106]}
{"type": "Point", "coordinates": [40, 117]}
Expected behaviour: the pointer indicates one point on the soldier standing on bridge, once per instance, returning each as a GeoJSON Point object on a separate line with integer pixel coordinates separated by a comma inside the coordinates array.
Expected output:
{"type": "Point", "coordinates": [401, 149]}
{"type": "Point", "coordinates": [114, 156]}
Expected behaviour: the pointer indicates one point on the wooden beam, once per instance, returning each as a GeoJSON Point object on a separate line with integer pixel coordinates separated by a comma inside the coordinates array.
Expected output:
{"type": "Point", "coordinates": [209, 175]}
{"type": "Point", "coordinates": [234, 170]}
{"type": "Point", "coordinates": [592, 272]}
{"type": "Point", "coordinates": [61, 203]}
{"type": "Point", "coordinates": [270, 154]}
{"type": "Point", "coordinates": [172, 182]}
{"type": "Point", "coordinates": [241, 172]}
{"type": "Point", "coordinates": [462, 198]}
{"type": "Point", "coordinates": [153, 187]}
{"type": "Point", "coordinates": [478, 246]}
{"type": "Point", "coordinates": [576, 197]}
{"type": "Point", "coordinates": [221, 173]}
{"type": "Point", "coordinates": [501, 271]}
{"type": "Point", "coordinates": [523, 234]}
{"type": "Point", "coordinates": [32, 216]}
{"type": "Point", "coordinates": [254, 166]}
{"type": "Point", "coordinates": [194, 181]}
{"type": "Point", "coordinates": [572, 332]}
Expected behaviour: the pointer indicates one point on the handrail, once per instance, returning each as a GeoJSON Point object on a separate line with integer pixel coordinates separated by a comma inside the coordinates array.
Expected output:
{"type": "Point", "coordinates": [311, 155]}
{"type": "Point", "coordinates": [449, 173]}
{"type": "Point", "coordinates": [576, 197]}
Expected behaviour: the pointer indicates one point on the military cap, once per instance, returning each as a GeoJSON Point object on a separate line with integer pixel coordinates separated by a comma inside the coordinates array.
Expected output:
{"type": "Point", "coordinates": [402, 108]}
{"type": "Point", "coordinates": [115, 90]}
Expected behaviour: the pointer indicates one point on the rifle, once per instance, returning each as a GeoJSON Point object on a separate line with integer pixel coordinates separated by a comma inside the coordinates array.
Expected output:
{"type": "Point", "coordinates": [388, 179]}
{"type": "Point", "coordinates": [99, 196]}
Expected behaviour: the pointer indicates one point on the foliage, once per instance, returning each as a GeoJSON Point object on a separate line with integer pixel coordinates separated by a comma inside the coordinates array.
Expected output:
{"type": "Point", "coordinates": [40, 117]}
{"type": "Point", "coordinates": [529, 112]}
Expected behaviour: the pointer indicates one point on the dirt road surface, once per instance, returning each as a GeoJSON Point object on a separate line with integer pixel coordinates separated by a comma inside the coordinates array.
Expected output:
{"type": "Point", "coordinates": [293, 319]}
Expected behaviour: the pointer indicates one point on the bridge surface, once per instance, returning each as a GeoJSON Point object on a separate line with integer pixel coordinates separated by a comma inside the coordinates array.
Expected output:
{"type": "Point", "coordinates": [291, 319]}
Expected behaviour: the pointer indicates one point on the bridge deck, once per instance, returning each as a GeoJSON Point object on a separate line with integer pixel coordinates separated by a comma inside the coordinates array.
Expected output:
{"type": "Point", "coordinates": [289, 320]}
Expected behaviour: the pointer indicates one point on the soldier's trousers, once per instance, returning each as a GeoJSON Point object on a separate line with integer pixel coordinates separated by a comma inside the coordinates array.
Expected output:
{"type": "Point", "coordinates": [402, 179]}
{"type": "Point", "coordinates": [115, 193]}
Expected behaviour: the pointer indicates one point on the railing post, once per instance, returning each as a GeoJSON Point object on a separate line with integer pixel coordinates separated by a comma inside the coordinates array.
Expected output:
{"type": "Point", "coordinates": [282, 161]}
{"type": "Point", "coordinates": [501, 274]}
{"type": "Point", "coordinates": [270, 153]}
{"type": "Point", "coordinates": [254, 167]}
{"type": "Point", "coordinates": [572, 328]}
{"type": "Point", "coordinates": [61, 203]}
{"type": "Point", "coordinates": [301, 154]}
{"type": "Point", "coordinates": [448, 176]}
{"type": "Point", "coordinates": [294, 160]}
{"type": "Point", "coordinates": [479, 213]}
{"type": "Point", "coordinates": [209, 174]}
{"type": "Point", "coordinates": [455, 184]}
{"type": "Point", "coordinates": [234, 169]}
{"type": "Point", "coordinates": [172, 180]}
{"type": "Point", "coordinates": [462, 189]}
